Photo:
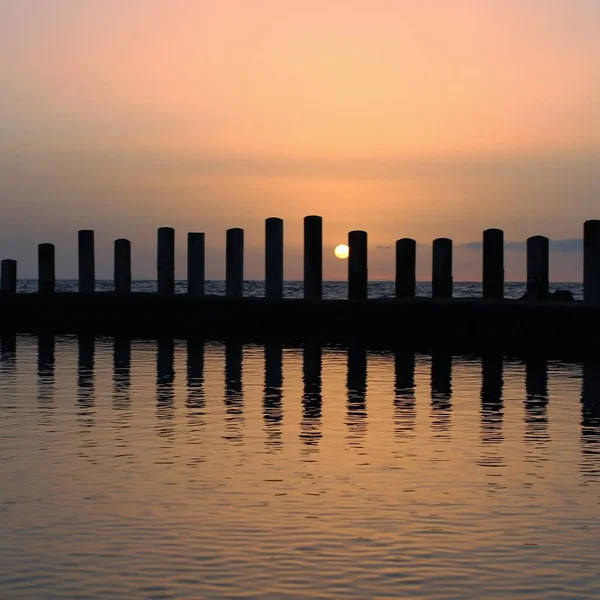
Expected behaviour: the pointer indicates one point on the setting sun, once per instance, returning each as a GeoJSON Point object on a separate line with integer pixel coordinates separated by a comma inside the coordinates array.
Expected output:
{"type": "Point", "coordinates": [342, 251]}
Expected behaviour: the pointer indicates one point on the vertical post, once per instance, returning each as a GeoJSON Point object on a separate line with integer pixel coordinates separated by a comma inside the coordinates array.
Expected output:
{"type": "Point", "coordinates": [357, 265]}
{"type": "Point", "coordinates": [313, 257]}
{"type": "Point", "coordinates": [537, 266]}
{"type": "Point", "coordinates": [591, 261]}
{"type": "Point", "coordinates": [165, 261]}
{"type": "Point", "coordinates": [406, 269]}
{"type": "Point", "coordinates": [274, 258]}
{"type": "Point", "coordinates": [122, 270]}
{"type": "Point", "coordinates": [8, 276]}
{"type": "Point", "coordinates": [46, 270]}
{"type": "Point", "coordinates": [493, 264]}
{"type": "Point", "coordinates": [195, 264]}
{"type": "Point", "coordinates": [87, 271]}
{"type": "Point", "coordinates": [234, 268]}
{"type": "Point", "coordinates": [441, 280]}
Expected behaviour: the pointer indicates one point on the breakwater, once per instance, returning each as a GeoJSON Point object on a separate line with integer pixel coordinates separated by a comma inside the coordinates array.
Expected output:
{"type": "Point", "coordinates": [540, 320]}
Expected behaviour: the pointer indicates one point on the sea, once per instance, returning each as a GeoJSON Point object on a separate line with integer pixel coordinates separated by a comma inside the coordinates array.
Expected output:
{"type": "Point", "coordinates": [294, 289]}
{"type": "Point", "coordinates": [190, 469]}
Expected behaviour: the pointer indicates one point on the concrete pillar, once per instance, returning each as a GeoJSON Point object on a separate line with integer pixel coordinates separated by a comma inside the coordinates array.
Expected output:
{"type": "Point", "coordinates": [537, 265]}
{"type": "Point", "coordinates": [8, 277]}
{"type": "Point", "coordinates": [165, 260]}
{"type": "Point", "coordinates": [357, 265]}
{"type": "Point", "coordinates": [234, 268]}
{"type": "Point", "coordinates": [493, 264]}
{"type": "Point", "coordinates": [406, 268]}
{"type": "Point", "coordinates": [313, 257]}
{"type": "Point", "coordinates": [441, 279]}
{"type": "Point", "coordinates": [87, 269]}
{"type": "Point", "coordinates": [274, 258]}
{"type": "Point", "coordinates": [591, 261]}
{"type": "Point", "coordinates": [46, 276]}
{"type": "Point", "coordinates": [122, 270]}
{"type": "Point", "coordinates": [195, 264]}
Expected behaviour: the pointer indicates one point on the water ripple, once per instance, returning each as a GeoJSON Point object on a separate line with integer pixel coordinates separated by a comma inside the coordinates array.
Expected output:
{"type": "Point", "coordinates": [172, 469]}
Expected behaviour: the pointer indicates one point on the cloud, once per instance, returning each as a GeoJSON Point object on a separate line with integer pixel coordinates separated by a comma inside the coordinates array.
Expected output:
{"type": "Point", "coordinates": [569, 245]}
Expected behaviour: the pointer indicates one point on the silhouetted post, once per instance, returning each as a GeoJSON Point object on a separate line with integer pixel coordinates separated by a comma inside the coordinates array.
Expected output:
{"type": "Point", "coordinates": [313, 257]}
{"type": "Point", "coordinates": [46, 276]}
{"type": "Point", "coordinates": [195, 264]}
{"type": "Point", "coordinates": [591, 261]}
{"type": "Point", "coordinates": [234, 275]}
{"type": "Point", "coordinates": [87, 269]}
{"type": "Point", "coordinates": [165, 260]}
{"type": "Point", "coordinates": [122, 272]}
{"type": "Point", "coordinates": [274, 258]}
{"type": "Point", "coordinates": [493, 264]}
{"type": "Point", "coordinates": [8, 276]}
{"type": "Point", "coordinates": [357, 265]}
{"type": "Point", "coordinates": [406, 268]}
{"type": "Point", "coordinates": [441, 280]}
{"type": "Point", "coordinates": [537, 265]}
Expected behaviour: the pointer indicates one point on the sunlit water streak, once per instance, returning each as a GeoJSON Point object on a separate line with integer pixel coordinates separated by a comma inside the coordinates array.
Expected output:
{"type": "Point", "coordinates": [189, 469]}
{"type": "Point", "coordinates": [295, 289]}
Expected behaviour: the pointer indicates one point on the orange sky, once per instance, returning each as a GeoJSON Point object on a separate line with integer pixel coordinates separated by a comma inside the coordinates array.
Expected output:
{"type": "Point", "coordinates": [404, 118]}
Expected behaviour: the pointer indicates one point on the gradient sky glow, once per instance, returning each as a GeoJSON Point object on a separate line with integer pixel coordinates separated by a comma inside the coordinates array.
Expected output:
{"type": "Point", "coordinates": [420, 118]}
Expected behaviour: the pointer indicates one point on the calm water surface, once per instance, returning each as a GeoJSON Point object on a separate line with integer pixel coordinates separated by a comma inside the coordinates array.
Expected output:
{"type": "Point", "coordinates": [188, 470]}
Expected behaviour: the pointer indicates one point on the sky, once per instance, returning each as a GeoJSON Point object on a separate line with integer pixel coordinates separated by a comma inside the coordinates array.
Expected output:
{"type": "Point", "coordinates": [404, 118]}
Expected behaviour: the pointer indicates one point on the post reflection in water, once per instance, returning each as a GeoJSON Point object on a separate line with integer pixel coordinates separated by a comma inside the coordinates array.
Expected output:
{"type": "Point", "coordinates": [8, 371]}
{"type": "Point", "coordinates": [45, 374]}
{"type": "Point", "coordinates": [312, 399]}
{"type": "Point", "coordinates": [404, 395]}
{"type": "Point", "coordinates": [121, 373]}
{"type": "Point", "coordinates": [536, 405]}
{"type": "Point", "coordinates": [356, 384]}
{"type": "Point", "coordinates": [234, 395]}
{"type": "Point", "coordinates": [491, 409]}
{"type": "Point", "coordinates": [441, 393]}
{"type": "Point", "coordinates": [273, 394]}
{"type": "Point", "coordinates": [122, 391]}
{"type": "Point", "coordinates": [590, 421]}
{"type": "Point", "coordinates": [491, 398]}
{"type": "Point", "coordinates": [195, 402]}
{"type": "Point", "coordinates": [85, 381]}
{"type": "Point", "coordinates": [8, 353]}
{"type": "Point", "coordinates": [165, 392]}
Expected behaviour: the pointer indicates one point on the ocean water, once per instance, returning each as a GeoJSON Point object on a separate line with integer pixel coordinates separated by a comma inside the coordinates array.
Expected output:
{"type": "Point", "coordinates": [294, 289]}
{"type": "Point", "coordinates": [181, 469]}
